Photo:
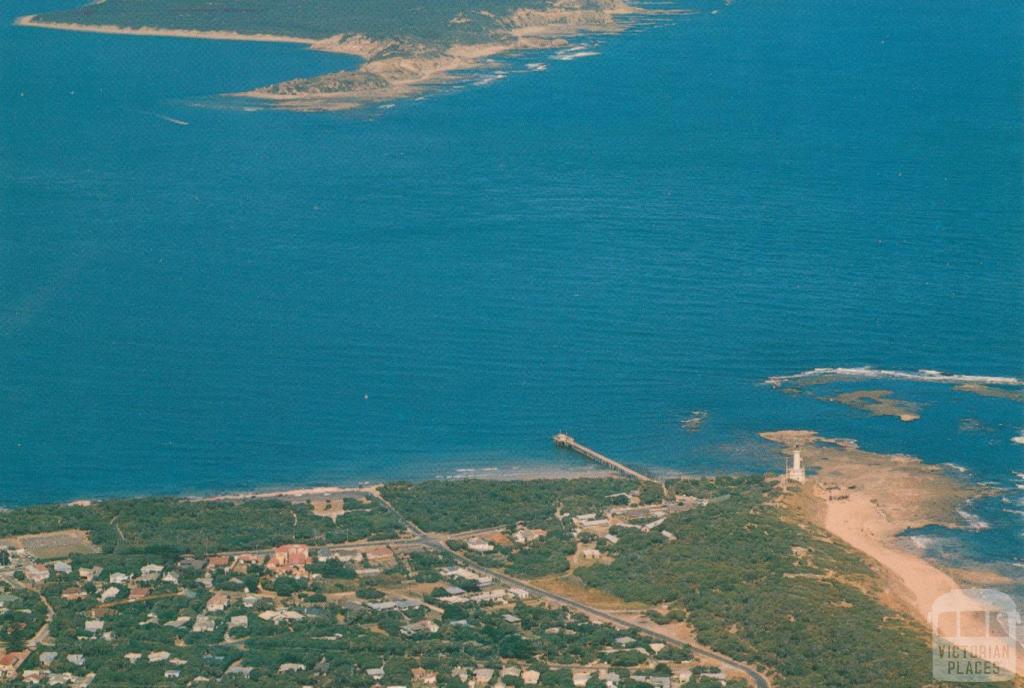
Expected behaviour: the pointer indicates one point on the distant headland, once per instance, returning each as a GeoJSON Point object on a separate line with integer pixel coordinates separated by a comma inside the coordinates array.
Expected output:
{"type": "Point", "coordinates": [405, 50]}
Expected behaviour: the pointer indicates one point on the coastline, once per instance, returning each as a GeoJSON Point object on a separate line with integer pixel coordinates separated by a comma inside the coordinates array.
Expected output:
{"type": "Point", "coordinates": [297, 489]}
{"type": "Point", "coordinates": [394, 68]}
{"type": "Point", "coordinates": [890, 494]}
{"type": "Point", "coordinates": [31, 20]}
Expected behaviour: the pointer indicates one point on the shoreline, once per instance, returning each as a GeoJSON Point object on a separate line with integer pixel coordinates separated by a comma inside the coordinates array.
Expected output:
{"type": "Point", "coordinates": [393, 69]}
{"type": "Point", "coordinates": [867, 500]}
{"type": "Point", "coordinates": [30, 20]}
{"type": "Point", "coordinates": [299, 489]}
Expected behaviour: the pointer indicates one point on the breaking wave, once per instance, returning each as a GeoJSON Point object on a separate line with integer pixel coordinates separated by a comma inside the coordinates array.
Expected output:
{"type": "Point", "coordinates": [869, 373]}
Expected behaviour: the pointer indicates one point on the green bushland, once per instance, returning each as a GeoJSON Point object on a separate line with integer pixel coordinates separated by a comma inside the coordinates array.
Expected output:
{"type": "Point", "coordinates": [767, 591]}
{"type": "Point", "coordinates": [170, 526]}
{"type": "Point", "coordinates": [451, 506]}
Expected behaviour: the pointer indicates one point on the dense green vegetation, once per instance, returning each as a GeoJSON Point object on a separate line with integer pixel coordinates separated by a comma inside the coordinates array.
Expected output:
{"type": "Point", "coordinates": [762, 590]}
{"type": "Point", "coordinates": [754, 585]}
{"type": "Point", "coordinates": [430, 22]}
{"type": "Point", "coordinates": [458, 505]}
{"type": "Point", "coordinates": [172, 525]}
{"type": "Point", "coordinates": [21, 614]}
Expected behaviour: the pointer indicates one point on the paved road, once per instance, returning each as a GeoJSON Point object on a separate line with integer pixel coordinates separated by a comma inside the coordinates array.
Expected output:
{"type": "Point", "coordinates": [759, 680]}
{"type": "Point", "coordinates": [42, 636]}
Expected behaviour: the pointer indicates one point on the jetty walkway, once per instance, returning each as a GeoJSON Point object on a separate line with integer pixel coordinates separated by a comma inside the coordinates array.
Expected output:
{"type": "Point", "coordinates": [567, 442]}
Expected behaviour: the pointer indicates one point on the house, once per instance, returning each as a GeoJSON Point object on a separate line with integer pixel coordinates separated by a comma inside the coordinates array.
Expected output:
{"type": "Point", "coordinates": [611, 679]}
{"type": "Point", "coordinates": [323, 554]}
{"type": "Point", "coordinates": [482, 676]}
{"type": "Point", "coordinates": [240, 621]}
{"type": "Point", "coordinates": [614, 539]}
{"type": "Point", "coordinates": [110, 593]}
{"type": "Point", "coordinates": [376, 674]}
{"type": "Point", "coordinates": [180, 622]}
{"type": "Point", "coordinates": [172, 673]}
{"type": "Point", "coordinates": [76, 659]}
{"type": "Point", "coordinates": [73, 593]}
{"type": "Point", "coordinates": [403, 605]}
{"type": "Point", "coordinates": [289, 557]}
{"type": "Point", "coordinates": [290, 666]}
{"type": "Point", "coordinates": [366, 573]}
{"type": "Point", "coordinates": [217, 603]}
{"type": "Point", "coordinates": [250, 601]}
{"type": "Point", "coordinates": [525, 536]}
{"type": "Point", "coordinates": [118, 578]}
{"type": "Point", "coordinates": [279, 615]}
{"type": "Point", "coordinates": [94, 626]}
{"type": "Point", "coordinates": [387, 605]}
{"type": "Point", "coordinates": [424, 626]}
{"type": "Point", "coordinates": [62, 567]}
{"type": "Point", "coordinates": [531, 677]}
{"type": "Point", "coordinates": [580, 678]}
{"type": "Point", "coordinates": [133, 657]}
{"type": "Point", "coordinates": [424, 677]}
{"type": "Point", "coordinates": [47, 658]}
{"type": "Point", "coordinates": [203, 624]}
{"type": "Point", "coordinates": [90, 573]}
{"type": "Point", "coordinates": [477, 544]}
{"type": "Point", "coordinates": [36, 573]}
{"type": "Point", "coordinates": [192, 563]}
{"type": "Point", "coordinates": [239, 670]}
{"type": "Point", "coordinates": [590, 553]}
{"type": "Point", "coordinates": [10, 662]}
{"type": "Point", "coordinates": [511, 618]}
{"type": "Point", "coordinates": [454, 590]}
{"type": "Point", "coordinates": [151, 571]}
{"type": "Point", "coordinates": [668, 536]}
{"type": "Point", "coordinates": [656, 681]}
{"type": "Point", "coordinates": [158, 656]}
{"type": "Point", "coordinates": [218, 561]}
{"type": "Point", "coordinates": [170, 577]}
{"type": "Point", "coordinates": [138, 593]}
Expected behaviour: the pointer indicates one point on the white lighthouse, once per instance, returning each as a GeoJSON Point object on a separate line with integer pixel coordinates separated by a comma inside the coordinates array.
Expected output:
{"type": "Point", "coordinates": [795, 468]}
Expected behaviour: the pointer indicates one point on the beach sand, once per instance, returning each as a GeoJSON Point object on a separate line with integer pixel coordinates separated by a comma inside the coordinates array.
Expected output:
{"type": "Point", "coordinates": [33, 21]}
{"type": "Point", "coordinates": [890, 493]}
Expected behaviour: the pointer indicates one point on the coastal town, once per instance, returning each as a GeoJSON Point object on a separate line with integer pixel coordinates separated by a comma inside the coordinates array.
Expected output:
{"type": "Point", "coordinates": [342, 613]}
{"type": "Point", "coordinates": [618, 581]}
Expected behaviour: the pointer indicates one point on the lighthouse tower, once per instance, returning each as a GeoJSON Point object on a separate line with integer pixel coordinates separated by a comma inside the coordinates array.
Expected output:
{"type": "Point", "coordinates": [795, 468]}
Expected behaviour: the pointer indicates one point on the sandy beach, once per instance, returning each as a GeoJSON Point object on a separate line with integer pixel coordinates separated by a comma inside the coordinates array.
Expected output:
{"type": "Point", "coordinates": [32, 21]}
{"type": "Point", "coordinates": [890, 493]}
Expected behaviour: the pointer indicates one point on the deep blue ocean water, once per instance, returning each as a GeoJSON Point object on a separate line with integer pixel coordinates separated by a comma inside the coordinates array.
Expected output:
{"type": "Point", "coordinates": [275, 298]}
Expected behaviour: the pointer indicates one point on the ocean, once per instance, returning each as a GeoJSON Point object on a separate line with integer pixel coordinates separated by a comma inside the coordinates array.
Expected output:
{"type": "Point", "coordinates": [196, 295]}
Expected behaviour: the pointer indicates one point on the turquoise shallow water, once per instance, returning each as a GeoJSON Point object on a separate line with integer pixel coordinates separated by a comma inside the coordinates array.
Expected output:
{"type": "Point", "coordinates": [267, 298]}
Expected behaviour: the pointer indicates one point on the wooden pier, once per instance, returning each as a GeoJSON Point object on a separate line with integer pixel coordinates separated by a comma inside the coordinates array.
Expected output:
{"type": "Point", "coordinates": [566, 442]}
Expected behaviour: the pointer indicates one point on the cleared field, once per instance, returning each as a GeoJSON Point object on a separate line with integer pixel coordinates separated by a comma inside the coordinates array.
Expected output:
{"type": "Point", "coordinates": [58, 543]}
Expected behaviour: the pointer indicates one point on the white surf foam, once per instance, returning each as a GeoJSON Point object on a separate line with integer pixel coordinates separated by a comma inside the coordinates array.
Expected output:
{"type": "Point", "coordinates": [869, 373]}
{"type": "Point", "coordinates": [974, 522]}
